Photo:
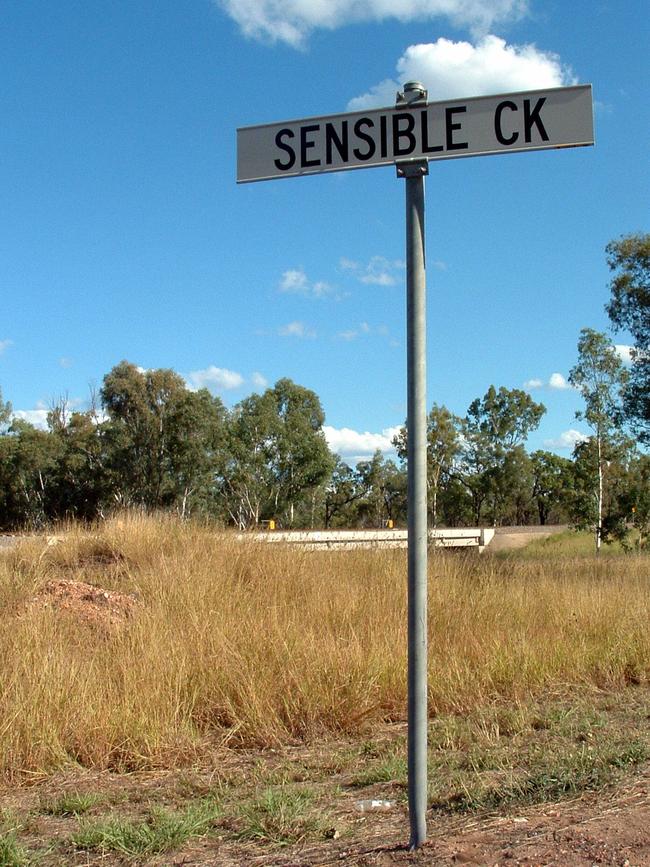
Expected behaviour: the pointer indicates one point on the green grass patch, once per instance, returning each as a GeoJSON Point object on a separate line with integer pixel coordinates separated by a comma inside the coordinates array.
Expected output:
{"type": "Point", "coordinates": [389, 767]}
{"type": "Point", "coordinates": [503, 756]}
{"type": "Point", "coordinates": [280, 815]}
{"type": "Point", "coordinates": [159, 832]}
{"type": "Point", "coordinates": [12, 854]}
{"type": "Point", "coordinates": [70, 804]}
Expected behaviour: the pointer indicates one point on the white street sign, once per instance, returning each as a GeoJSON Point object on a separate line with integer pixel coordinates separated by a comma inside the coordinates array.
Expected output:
{"type": "Point", "coordinates": [526, 121]}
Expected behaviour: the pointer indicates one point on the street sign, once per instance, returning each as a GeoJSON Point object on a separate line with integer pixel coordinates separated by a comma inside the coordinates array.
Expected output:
{"type": "Point", "coordinates": [507, 123]}
{"type": "Point", "coordinates": [410, 135]}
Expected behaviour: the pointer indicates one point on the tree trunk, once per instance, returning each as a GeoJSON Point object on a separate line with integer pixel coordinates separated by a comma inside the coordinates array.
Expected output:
{"type": "Point", "coordinates": [599, 526]}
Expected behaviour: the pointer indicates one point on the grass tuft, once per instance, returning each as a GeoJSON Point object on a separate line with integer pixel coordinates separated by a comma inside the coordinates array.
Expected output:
{"type": "Point", "coordinates": [161, 831]}
{"type": "Point", "coordinates": [280, 815]}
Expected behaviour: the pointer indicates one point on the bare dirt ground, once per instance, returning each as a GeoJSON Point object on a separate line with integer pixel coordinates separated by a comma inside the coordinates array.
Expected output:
{"type": "Point", "coordinates": [609, 828]}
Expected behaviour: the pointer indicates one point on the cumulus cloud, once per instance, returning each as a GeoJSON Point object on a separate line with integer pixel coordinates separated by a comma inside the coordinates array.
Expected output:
{"type": "Point", "coordinates": [567, 440]}
{"type": "Point", "coordinates": [361, 329]}
{"type": "Point", "coordinates": [555, 381]}
{"type": "Point", "coordinates": [356, 446]}
{"type": "Point", "coordinates": [295, 282]}
{"type": "Point", "coordinates": [460, 69]}
{"type": "Point", "coordinates": [558, 382]}
{"type": "Point", "coordinates": [215, 379]}
{"type": "Point", "coordinates": [5, 344]}
{"type": "Point", "coordinates": [296, 329]}
{"type": "Point", "coordinates": [379, 271]}
{"type": "Point", "coordinates": [291, 21]}
{"type": "Point", "coordinates": [36, 417]}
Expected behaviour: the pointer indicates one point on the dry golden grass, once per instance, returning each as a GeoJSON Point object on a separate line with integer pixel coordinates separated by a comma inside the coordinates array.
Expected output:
{"type": "Point", "coordinates": [258, 645]}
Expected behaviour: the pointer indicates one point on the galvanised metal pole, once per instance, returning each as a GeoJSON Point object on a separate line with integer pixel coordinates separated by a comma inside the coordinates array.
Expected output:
{"type": "Point", "coordinates": [414, 173]}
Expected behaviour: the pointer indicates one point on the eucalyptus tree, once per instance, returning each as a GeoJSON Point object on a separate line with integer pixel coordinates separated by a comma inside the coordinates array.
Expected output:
{"type": "Point", "coordinates": [5, 414]}
{"type": "Point", "coordinates": [343, 492]}
{"type": "Point", "coordinates": [552, 486]}
{"type": "Point", "coordinates": [443, 447]}
{"type": "Point", "coordinates": [629, 308]}
{"type": "Point", "coordinates": [161, 438]}
{"type": "Point", "coordinates": [277, 455]}
{"type": "Point", "coordinates": [384, 487]}
{"type": "Point", "coordinates": [495, 427]}
{"type": "Point", "coordinates": [601, 379]}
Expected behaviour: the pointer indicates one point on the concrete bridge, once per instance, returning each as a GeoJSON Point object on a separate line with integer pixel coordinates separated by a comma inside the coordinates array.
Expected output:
{"type": "Point", "coordinates": [463, 537]}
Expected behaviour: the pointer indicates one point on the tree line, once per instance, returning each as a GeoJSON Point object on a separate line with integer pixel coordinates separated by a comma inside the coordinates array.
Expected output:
{"type": "Point", "coordinates": [149, 442]}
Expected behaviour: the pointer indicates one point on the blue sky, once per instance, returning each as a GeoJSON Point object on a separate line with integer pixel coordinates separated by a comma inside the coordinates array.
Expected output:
{"type": "Point", "coordinates": [124, 236]}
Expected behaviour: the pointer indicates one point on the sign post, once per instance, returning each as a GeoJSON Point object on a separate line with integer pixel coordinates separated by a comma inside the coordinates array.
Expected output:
{"type": "Point", "coordinates": [408, 136]}
{"type": "Point", "coordinates": [416, 426]}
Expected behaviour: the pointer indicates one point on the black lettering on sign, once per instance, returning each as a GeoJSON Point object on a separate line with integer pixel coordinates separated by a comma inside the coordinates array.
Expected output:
{"type": "Point", "coordinates": [305, 144]}
{"type": "Point", "coordinates": [532, 117]}
{"type": "Point", "coordinates": [340, 142]}
{"type": "Point", "coordinates": [383, 136]}
{"type": "Point", "coordinates": [498, 129]}
{"type": "Point", "coordinates": [424, 125]}
{"type": "Point", "coordinates": [291, 159]}
{"type": "Point", "coordinates": [358, 131]}
{"type": "Point", "coordinates": [450, 127]}
{"type": "Point", "coordinates": [404, 131]}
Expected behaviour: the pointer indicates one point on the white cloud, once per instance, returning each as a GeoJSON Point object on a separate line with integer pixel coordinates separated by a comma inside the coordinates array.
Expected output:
{"type": "Point", "coordinates": [37, 417]}
{"type": "Point", "coordinates": [296, 329]}
{"type": "Point", "coordinates": [555, 381]}
{"type": "Point", "coordinates": [291, 21]}
{"type": "Point", "coordinates": [460, 69]}
{"type": "Point", "coordinates": [5, 344]}
{"type": "Point", "coordinates": [356, 446]}
{"type": "Point", "coordinates": [295, 282]}
{"type": "Point", "coordinates": [379, 271]}
{"type": "Point", "coordinates": [259, 380]}
{"type": "Point", "coordinates": [567, 440]}
{"type": "Point", "coordinates": [558, 382]}
{"type": "Point", "coordinates": [215, 379]}
{"type": "Point", "coordinates": [363, 328]}
{"type": "Point", "coordinates": [65, 362]}
{"type": "Point", "coordinates": [624, 352]}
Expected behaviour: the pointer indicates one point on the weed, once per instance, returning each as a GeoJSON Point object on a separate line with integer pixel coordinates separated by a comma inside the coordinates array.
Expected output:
{"type": "Point", "coordinates": [11, 853]}
{"type": "Point", "coordinates": [391, 768]}
{"type": "Point", "coordinates": [70, 804]}
{"type": "Point", "coordinates": [279, 815]}
{"type": "Point", "coordinates": [161, 831]}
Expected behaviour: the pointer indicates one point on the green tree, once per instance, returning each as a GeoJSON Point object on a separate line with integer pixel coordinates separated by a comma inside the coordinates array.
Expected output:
{"type": "Point", "coordinates": [629, 308]}
{"type": "Point", "coordinates": [342, 494]}
{"type": "Point", "coordinates": [630, 520]}
{"type": "Point", "coordinates": [496, 425]}
{"type": "Point", "coordinates": [5, 414]}
{"type": "Point", "coordinates": [28, 460]}
{"type": "Point", "coordinates": [160, 437]}
{"type": "Point", "coordinates": [600, 378]}
{"type": "Point", "coordinates": [80, 485]}
{"type": "Point", "coordinates": [384, 486]}
{"type": "Point", "coordinates": [552, 486]}
{"type": "Point", "coordinates": [443, 446]}
{"type": "Point", "coordinates": [300, 457]}
{"type": "Point", "coordinates": [246, 479]}
{"type": "Point", "coordinates": [278, 457]}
